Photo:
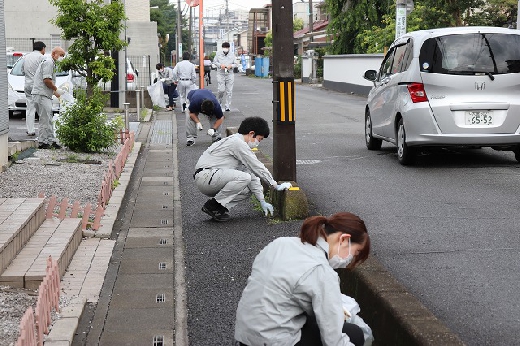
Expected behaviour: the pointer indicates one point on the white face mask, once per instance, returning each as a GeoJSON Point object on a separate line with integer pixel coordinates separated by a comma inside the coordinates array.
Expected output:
{"type": "Point", "coordinates": [253, 144]}
{"type": "Point", "coordinates": [337, 262]}
{"type": "Point", "coordinates": [60, 59]}
{"type": "Point", "coordinates": [225, 50]}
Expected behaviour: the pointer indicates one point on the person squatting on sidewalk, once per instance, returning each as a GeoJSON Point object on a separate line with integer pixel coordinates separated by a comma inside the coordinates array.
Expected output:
{"type": "Point", "coordinates": [218, 172]}
{"type": "Point", "coordinates": [43, 89]}
{"type": "Point", "coordinates": [29, 65]}
{"type": "Point", "coordinates": [203, 101]}
{"type": "Point", "coordinates": [293, 295]}
{"type": "Point", "coordinates": [186, 77]}
{"type": "Point", "coordinates": [165, 75]}
{"type": "Point", "coordinates": [225, 61]}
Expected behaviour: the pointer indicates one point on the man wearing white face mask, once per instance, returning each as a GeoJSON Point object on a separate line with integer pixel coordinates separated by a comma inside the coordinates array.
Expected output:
{"type": "Point", "coordinates": [293, 294]}
{"type": "Point", "coordinates": [43, 88]}
{"type": "Point", "coordinates": [229, 172]}
{"type": "Point", "coordinates": [225, 61]}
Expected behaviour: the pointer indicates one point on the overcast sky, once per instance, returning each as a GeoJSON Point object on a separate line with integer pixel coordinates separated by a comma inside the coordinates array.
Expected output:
{"type": "Point", "coordinates": [233, 4]}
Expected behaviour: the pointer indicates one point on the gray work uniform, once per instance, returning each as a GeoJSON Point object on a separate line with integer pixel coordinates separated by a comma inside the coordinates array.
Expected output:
{"type": "Point", "coordinates": [29, 66]}
{"type": "Point", "coordinates": [184, 73]}
{"type": "Point", "coordinates": [42, 96]}
{"type": "Point", "coordinates": [289, 279]}
{"type": "Point", "coordinates": [231, 172]}
{"type": "Point", "coordinates": [225, 79]}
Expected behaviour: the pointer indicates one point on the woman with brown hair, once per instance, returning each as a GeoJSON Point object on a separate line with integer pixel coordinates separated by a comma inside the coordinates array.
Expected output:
{"type": "Point", "coordinates": [293, 296]}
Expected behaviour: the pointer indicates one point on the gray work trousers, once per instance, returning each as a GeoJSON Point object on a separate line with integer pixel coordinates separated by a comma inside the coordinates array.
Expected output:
{"type": "Point", "coordinates": [227, 186]}
{"type": "Point", "coordinates": [43, 106]}
{"type": "Point", "coordinates": [184, 87]}
{"type": "Point", "coordinates": [191, 126]}
{"type": "Point", "coordinates": [30, 112]}
{"type": "Point", "coordinates": [225, 88]}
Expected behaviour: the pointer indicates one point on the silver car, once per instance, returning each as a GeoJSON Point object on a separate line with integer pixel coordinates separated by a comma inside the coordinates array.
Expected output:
{"type": "Point", "coordinates": [447, 87]}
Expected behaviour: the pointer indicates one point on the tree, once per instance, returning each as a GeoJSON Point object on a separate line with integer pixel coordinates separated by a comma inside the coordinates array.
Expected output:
{"type": "Point", "coordinates": [166, 17]}
{"type": "Point", "coordinates": [297, 24]}
{"type": "Point", "coordinates": [349, 18]}
{"type": "Point", "coordinates": [500, 13]}
{"type": "Point", "coordinates": [94, 28]}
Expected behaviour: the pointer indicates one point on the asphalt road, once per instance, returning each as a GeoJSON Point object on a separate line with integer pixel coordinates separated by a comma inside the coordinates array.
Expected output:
{"type": "Point", "coordinates": [446, 228]}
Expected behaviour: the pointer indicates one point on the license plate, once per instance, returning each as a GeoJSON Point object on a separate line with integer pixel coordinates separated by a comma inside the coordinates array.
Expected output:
{"type": "Point", "coordinates": [479, 118]}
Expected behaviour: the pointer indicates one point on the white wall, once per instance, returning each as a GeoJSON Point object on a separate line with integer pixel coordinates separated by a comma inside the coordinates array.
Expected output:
{"type": "Point", "coordinates": [26, 19]}
{"type": "Point", "coordinates": [345, 72]}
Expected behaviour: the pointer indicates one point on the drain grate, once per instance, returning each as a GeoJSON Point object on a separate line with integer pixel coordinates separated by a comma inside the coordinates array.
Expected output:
{"type": "Point", "coordinates": [160, 298]}
{"type": "Point", "coordinates": [158, 340]}
{"type": "Point", "coordinates": [164, 222]}
{"type": "Point", "coordinates": [162, 241]}
{"type": "Point", "coordinates": [162, 266]}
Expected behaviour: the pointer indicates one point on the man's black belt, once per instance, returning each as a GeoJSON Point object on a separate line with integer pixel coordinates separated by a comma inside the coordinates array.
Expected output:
{"type": "Point", "coordinates": [198, 171]}
{"type": "Point", "coordinates": [185, 79]}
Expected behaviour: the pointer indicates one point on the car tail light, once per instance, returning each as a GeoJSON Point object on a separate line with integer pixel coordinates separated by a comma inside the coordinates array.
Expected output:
{"type": "Point", "coordinates": [417, 92]}
{"type": "Point", "coordinates": [130, 77]}
{"type": "Point", "coordinates": [17, 54]}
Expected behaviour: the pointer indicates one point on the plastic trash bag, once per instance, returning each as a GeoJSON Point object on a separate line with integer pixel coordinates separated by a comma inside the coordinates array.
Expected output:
{"type": "Point", "coordinates": [156, 93]}
{"type": "Point", "coordinates": [351, 308]}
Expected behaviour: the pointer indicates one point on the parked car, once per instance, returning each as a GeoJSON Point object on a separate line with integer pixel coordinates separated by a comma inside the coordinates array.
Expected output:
{"type": "Point", "coordinates": [447, 87]}
{"type": "Point", "coordinates": [132, 82]}
{"type": "Point", "coordinates": [16, 79]}
{"type": "Point", "coordinates": [12, 56]}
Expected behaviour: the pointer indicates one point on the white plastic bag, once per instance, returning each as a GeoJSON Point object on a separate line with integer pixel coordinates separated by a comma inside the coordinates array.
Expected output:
{"type": "Point", "coordinates": [156, 93]}
{"type": "Point", "coordinates": [351, 307]}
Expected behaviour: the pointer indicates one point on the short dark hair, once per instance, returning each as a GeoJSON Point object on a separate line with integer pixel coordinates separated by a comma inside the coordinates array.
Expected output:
{"type": "Point", "coordinates": [207, 107]}
{"type": "Point", "coordinates": [256, 124]}
{"type": "Point", "coordinates": [186, 56]}
{"type": "Point", "coordinates": [225, 45]}
{"type": "Point", "coordinates": [159, 66]}
{"type": "Point", "coordinates": [39, 45]}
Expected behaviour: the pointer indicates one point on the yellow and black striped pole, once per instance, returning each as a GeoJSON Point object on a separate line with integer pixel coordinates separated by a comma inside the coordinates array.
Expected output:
{"type": "Point", "coordinates": [284, 143]}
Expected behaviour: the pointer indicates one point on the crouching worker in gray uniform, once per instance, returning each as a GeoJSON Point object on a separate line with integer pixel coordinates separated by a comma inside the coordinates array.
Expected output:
{"type": "Point", "coordinates": [203, 101]}
{"type": "Point", "coordinates": [229, 171]}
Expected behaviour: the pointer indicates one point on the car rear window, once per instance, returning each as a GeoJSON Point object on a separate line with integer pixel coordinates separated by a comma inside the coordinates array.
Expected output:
{"type": "Point", "coordinates": [470, 54]}
{"type": "Point", "coordinates": [17, 70]}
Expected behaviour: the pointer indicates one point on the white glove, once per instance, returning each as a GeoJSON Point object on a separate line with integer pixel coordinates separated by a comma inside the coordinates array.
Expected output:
{"type": "Point", "coordinates": [163, 80]}
{"type": "Point", "coordinates": [267, 208]}
{"type": "Point", "coordinates": [60, 91]}
{"type": "Point", "coordinates": [199, 127]}
{"type": "Point", "coordinates": [211, 132]}
{"type": "Point", "coordinates": [283, 186]}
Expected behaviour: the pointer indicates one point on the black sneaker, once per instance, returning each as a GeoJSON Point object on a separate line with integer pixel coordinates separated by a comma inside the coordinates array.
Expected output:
{"type": "Point", "coordinates": [227, 109]}
{"type": "Point", "coordinates": [44, 146]}
{"type": "Point", "coordinates": [183, 107]}
{"type": "Point", "coordinates": [55, 145]}
{"type": "Point", "coordinates": [215, 210]}
{"type": "Point", "coordinates": [190, 142]}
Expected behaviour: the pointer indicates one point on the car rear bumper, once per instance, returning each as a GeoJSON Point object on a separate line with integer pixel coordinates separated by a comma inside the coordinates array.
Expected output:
{"type": "Point", "coordinates": [464, 140]}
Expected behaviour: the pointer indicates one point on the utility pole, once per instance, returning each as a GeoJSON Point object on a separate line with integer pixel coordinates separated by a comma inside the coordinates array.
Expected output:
{"type": "Point", "coordinates": [518, 16]}
{"type": "Point", "coordinates": [284, 143]}
{"type": "Point", "coordinates": [179, 32]}
{"type": "Point", "coordinates": [400, 18]}
{"type": "Point", "coordinates": [311, 21]}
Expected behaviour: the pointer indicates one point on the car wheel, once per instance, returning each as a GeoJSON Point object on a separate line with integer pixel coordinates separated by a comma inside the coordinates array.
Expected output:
{"type": "Point", "coordinates": [405, 154]}
{"type": "Point", "coordinates": [11, 113]}
{"type": "Point", "coordinates": [371, 142]}
{"type": "Point", "coordinates": [517, 153]}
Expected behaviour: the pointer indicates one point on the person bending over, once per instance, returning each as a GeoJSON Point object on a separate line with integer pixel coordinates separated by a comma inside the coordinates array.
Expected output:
{"type": "Point", "coordinates": [293, 296]}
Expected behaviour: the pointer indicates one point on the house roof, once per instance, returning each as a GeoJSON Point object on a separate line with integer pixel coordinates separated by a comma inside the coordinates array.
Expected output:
{"type": "Point", "coordinates": [317, 26]}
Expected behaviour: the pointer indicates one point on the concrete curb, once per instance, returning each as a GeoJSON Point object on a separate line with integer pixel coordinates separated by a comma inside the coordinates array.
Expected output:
{"type": "Point", "coordinates": [395, 316]}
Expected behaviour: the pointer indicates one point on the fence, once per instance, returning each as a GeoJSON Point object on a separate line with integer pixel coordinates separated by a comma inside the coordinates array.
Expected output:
{"type": "Point", "coordinates": [26, 44]}
{"type": "Point", "coordinates": [36, 322]}
{"type": "Point", "coordinates": [142, 64]}
{"type": "Point", "coordinates": [91, 218]}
